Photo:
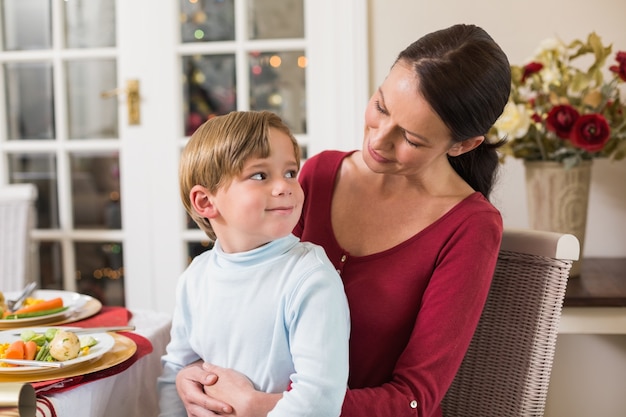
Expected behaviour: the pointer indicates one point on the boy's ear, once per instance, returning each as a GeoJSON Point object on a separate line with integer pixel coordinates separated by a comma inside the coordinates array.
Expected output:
{"type": "Point", "coordinates": [202, 202]}
{"type": "Point", "coordinates": [467, 145]}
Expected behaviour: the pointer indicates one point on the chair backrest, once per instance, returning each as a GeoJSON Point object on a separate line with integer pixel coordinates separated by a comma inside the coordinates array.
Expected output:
{"type": "Point", "coordinates": [17, 220]}
{"type": "Point", "coordinates": [506, 371]}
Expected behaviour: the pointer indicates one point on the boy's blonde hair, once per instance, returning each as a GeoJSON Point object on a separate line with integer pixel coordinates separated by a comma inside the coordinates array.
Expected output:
{"type": "Point", "coordinates": [218, 149]}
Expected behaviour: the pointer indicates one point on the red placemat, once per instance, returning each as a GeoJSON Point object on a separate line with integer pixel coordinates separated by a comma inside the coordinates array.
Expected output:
{"type": "Point", "coordinates": [108, 316]}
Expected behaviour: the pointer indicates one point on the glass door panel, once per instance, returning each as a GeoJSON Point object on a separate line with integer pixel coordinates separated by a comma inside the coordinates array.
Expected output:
{"type": "Point", "coordinates": [272, 19]}
{"type": "Point", "coordinates": [277, 84]}
{"type": "Point", "coordinates": [50, 264]}
{"type": "Point", "coordinates": [207, 20]}
{"type": "Point", "coordinates": [90, 115]}
{"type": "Point", "coordinates": [89, 23]}
{"type": "Point", "coordinates": [32, 14]}
{"type": "Point", "coordinates": [209, 88]}
{"type": "Point", "coordinates": [95, 191]}
{"type": "Point", "coordinates": [39, 169]}
{"type": "Point", "coordinates": [29, 100]}
{"type": "Point", "coordinates": [100, 271]}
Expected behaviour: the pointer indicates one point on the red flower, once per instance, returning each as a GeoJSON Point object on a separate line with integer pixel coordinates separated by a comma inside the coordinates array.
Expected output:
{"type": "Point", "coordinates": [590, 132]}
{"type": "Point", "coordinates": [561, 119]}
{"type": "Point", "coordinates": [530, 69]}
{"type": "Point", "coordinates": [536, 118]}
{"type": "Point", "coordinates": [620, 69]}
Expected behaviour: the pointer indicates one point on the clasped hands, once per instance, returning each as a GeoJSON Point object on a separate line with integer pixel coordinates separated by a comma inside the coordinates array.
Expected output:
{"type": "Point", "coordinates": [209, 390]}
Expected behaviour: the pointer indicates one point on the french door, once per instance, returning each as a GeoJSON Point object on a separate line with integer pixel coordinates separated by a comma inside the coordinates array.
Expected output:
{"type": "Point", "coordinates": [100, 96]}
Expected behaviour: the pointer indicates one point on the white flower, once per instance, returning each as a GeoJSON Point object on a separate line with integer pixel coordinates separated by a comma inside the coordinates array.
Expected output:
{"type": "Point", "coordinates": [514, 121]}
{"type": "Point", "coordinates": [551, 45]}
{"type": "Point", "coordinates": [550, 75]}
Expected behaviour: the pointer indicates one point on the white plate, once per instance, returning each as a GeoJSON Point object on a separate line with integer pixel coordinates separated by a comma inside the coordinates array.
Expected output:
{"type": "Point", "coordinates": [105, 343]}
{"type": "Point", "coordinates": [71, 299]}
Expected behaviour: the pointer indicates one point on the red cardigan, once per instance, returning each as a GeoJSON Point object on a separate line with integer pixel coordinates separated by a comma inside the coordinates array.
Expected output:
{"type": "Point", "coordinates": [414, 307]}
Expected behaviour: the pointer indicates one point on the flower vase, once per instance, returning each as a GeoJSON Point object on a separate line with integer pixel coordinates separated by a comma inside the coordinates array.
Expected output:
{"type": "Point", "coordinates": [558, 199]}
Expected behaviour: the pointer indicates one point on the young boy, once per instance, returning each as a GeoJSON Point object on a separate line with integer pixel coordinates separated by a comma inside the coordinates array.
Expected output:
{"type": "Point", "coordinates": [260, 301]}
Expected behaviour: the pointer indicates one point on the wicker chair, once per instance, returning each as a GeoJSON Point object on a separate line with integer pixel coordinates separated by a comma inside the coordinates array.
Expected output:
{"type": "Point", "coordinates": [17, 219]}
{"type": "Point", "coordinates": [506, 370]}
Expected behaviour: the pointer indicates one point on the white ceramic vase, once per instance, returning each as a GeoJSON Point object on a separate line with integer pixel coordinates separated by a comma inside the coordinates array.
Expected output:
{"type": "Point", "coordinates": [558, 199]}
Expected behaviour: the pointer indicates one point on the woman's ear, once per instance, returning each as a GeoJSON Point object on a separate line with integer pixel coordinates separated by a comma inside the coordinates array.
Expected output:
{"type": "Point", "coordinates": [202, 202]}
{"type": "Point", "coordinates": [467, 145]}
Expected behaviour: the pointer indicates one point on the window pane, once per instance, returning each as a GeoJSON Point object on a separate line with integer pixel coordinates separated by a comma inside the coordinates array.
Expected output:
{"type": "Point", "coordinates": [30, 101]}
{"type": "Point", "coordinates": [208, 20]}
{"type": "Point", "coordinates": [89, 23]}
{"type": "Point", "coordinates": [96, 191]}
{"type": "Point", "coordinates": [90, 115]}
{"type": "Point", "coordinates": [274, 19]}
{"type": "Point", "coordinates": [39, 169]}
{"type": "Point", "coordinates": [208, 88]}
{"type": "Point", "coordinates": [50, 265]}
{"type": "Point", "coordinates": [26, 24]}
{"type": "Point", "coordinates": [277, 83]}
{"type": "Point", "coordinates": [100, 271]}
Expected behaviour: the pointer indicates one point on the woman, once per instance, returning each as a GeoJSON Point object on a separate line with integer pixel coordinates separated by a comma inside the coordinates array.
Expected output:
{"type": "Point", "coordinates": [407, 223]}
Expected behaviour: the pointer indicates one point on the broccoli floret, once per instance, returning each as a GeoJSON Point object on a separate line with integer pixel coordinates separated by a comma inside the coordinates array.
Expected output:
{"type": "Point", "coordinates": [87, 341]}
{"type": "Point", "coordinates": [50, 332]}
{"type": "Point", "coordinates": [27, 335]}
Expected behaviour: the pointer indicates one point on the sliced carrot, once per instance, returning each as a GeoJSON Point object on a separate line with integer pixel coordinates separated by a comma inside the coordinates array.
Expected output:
{"type": "Point", "coordinates": [30, 350]}
{"type": "Point", "coordinates": [15, 350]}
{"type": "Point", "coordinates": [44, 305]}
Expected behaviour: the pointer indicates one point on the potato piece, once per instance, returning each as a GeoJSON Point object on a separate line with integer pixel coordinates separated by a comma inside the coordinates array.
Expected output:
{"type": "Point", "coordinates": [64, 346]}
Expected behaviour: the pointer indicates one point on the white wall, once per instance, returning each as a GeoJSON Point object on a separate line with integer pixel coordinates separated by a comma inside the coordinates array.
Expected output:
{"type": "Point", "coordinates": [588, 369]}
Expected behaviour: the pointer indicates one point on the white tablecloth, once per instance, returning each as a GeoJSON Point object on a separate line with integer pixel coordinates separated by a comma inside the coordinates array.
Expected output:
{"type": "Point", "coordinates": [130, 393]}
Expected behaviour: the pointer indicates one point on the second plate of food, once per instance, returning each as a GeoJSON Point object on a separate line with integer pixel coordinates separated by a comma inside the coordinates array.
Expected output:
{"type": "Point", "coordinates": [72, 300]}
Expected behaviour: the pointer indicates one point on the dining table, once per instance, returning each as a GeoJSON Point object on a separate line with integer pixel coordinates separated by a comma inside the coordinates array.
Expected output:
{"type": "Point", "coordinates": [120, 383]}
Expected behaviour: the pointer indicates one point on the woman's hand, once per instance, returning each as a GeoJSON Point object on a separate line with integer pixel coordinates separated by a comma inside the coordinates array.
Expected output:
{"type": "Point", "coordinates": [190, 383]}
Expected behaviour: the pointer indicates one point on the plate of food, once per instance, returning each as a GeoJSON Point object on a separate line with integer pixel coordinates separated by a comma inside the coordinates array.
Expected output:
{"type": "Point", "coordinates": [49, 306]}
{"type": "Point", "coordinates": [123, 350]}
{"type": "Point", "coordinates": [63, 347]}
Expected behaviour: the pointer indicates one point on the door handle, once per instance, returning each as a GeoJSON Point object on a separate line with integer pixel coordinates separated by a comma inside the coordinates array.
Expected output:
{"type": "Point", "coordinates": [132, 99]}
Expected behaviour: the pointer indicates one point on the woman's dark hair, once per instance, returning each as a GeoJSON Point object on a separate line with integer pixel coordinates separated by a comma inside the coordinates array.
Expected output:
{"type": "Point", "coordinates": [466, 78]}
